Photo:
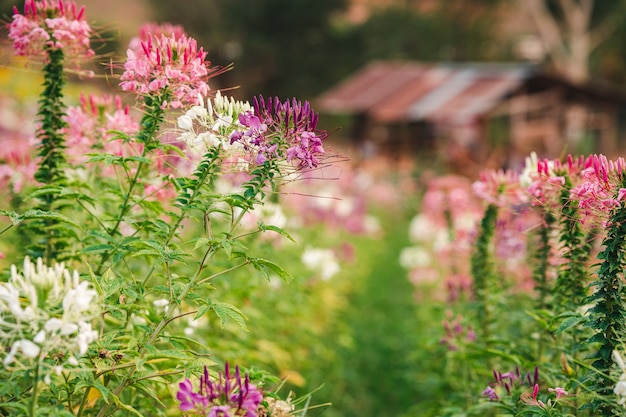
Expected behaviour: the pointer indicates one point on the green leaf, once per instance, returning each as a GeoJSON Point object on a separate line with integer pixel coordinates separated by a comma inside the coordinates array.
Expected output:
{"type": "Point", "coordinates": [103, 247]}
{"type": "Point", "coordinates": [141, 159]}
{"type": "Point", "coordinates": [126, 407]}
{"type": "Point", "coordinates": [568, 323]}
{"type": "Point", "coordinates": [276, 229]}
{"type": "Point", "coordinates": [514, 359]}
{"type": "Point", "coordinates": [148, 390]}
{"type": "Point", "coordinates": [202, 311]}
{"type": "Point", "coordinates": [228, 311]}
{"type": "Point", "coordinates": [168, 354]}
{"type": "Point", "coordinates": [37, 214]}
{"type": "Point", "coordinates": [104, 391]}
{"type": "Point", "coordinates": [263, 265]}
{"type": "Point", "coordinates": [45, 191]}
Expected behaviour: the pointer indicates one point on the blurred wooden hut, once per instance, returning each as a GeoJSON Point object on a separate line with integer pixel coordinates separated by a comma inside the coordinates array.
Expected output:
{"type": "Point", "coordinates": [470, 116]}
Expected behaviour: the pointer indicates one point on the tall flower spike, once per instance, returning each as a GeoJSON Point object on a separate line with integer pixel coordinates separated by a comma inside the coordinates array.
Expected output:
{"type": "Point", "coordinates": [51, 24]}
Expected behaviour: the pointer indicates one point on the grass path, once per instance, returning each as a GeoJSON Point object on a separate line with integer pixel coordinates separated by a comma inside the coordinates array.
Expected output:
{"type": "Point", "coordinates": [378, 369]}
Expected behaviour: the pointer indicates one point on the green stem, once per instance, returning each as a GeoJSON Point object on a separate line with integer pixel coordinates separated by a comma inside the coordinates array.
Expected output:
{"type": "Point", "coordinates": [6, 228]}
{"type": "Point", "coordinates": [209, 278]}
{"type": "Point", "coordinates": [33, 401]}
{"type": "Point", "coordinates": [83, 402]}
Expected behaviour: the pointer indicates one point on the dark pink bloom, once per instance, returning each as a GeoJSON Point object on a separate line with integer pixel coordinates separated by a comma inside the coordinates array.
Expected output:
{"type": "Point", "coordinates": [51, 24]}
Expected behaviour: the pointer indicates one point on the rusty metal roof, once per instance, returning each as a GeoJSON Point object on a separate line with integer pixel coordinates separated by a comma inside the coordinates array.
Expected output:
{"type": "Point", "coordinates": [411, 91]}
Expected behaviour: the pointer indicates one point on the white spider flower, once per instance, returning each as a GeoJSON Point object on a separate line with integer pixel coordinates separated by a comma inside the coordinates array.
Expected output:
{"type": "Point", "coordinates": [205, 127]}
{"type": "Point", "coordinates": [322, 261]}
{"type": "Point", "coordinates": [44, 309]}
{"type": "Point", "coordinates": [28, 349]}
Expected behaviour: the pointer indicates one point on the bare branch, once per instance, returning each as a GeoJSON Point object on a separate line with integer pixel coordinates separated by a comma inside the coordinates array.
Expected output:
{"type": "Point", "coordinates": [547, 29]}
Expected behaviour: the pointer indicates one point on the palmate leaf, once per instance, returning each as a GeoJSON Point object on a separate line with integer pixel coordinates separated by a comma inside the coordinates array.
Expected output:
{"type": "Point", "coordinates": [228, 311]}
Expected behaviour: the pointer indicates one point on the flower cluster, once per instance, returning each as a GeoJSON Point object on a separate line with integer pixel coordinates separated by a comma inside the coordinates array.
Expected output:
{"type": "Point", "coordinates": [45, 313]}
{"type": "Point", "coordinates": [95, 123]}
{"type": "Point", "coordinates": [211, 126]}
{"type": "Point", "coordinates": [531, 398]}
{"type": "Point", "coordinates": [51, 24]}
{"type": "Point", "coordinates": [293, 124]}
{"type": "Point", "coordinates": [456, 333]}
{"type": "Point", "coordinates": [149, 30]}
{"type": "Point", "coordinates": [255, 134]}
{"type": "Point", "coordinates": [168, 64]}
{"type": "Point", "coordinates": [599, 189]}
{"type": "Point", "coordinates": [501, 188]}
{"type": "Point", "coordinates": [508, 382]}
{"type": "Point", "coordinates": [229, 396]}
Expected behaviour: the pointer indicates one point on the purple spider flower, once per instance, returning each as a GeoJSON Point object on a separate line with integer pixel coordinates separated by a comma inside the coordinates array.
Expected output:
{"type": "Point", "coordinates": [190, 400]}
{"type": "Point", "coordinates": [490, 393]}
{"type": "Point", "coordinates": [228, 396]}
{"type": "Point", "coordinates": [278, 129]}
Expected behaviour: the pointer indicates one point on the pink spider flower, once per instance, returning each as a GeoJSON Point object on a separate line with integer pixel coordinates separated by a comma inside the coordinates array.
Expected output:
{"type": "Point", "coordinates": [600, 189]}
{"type": "Point", "coordinates": [51, 24]}
{"type": "Point", "coordinates": [501, 188]}
{"type": "Point", "coordinates": [91, 123]}
{"type": "Point", "coordinates": [171, 64]}
{"type": "Point", "coordinates": [17, 167]}
{"type": "Point", "coordinates": [549, 179]}
{"type": "Point", "coordinates": [151, 29]}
